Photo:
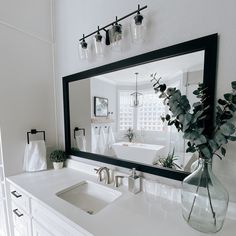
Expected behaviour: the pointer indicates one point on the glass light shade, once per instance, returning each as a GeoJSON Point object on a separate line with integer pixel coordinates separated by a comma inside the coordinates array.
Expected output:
{"type": "Point", "coordinates": [83, 50]}
{"type": "Point", "coordinates": [98, 44]}
{"type": "Point", "coordinates": [136, 99]}
{"type": "Point", "coordinates": [116, 37]}
{"type": "Point", "coordinates": [138, 28]}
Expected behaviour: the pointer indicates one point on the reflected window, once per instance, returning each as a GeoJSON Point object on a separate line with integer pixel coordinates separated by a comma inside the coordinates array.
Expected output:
{"type": "Point", "coordinates": [150, 121]}
{"type": "Point", "coordinates": [126, 116]}
{"type": "Point", "coordinates": [145, 117]}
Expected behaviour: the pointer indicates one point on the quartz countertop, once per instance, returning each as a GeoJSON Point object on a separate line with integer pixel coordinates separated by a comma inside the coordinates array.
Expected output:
{"type": "Point", "coordinates": [129, 215]}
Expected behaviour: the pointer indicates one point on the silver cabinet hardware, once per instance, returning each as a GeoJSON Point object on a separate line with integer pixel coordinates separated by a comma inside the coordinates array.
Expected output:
{"type": "Point", "coordinates": [16, 194]}
{"type": "Point", "coordinates": [17, 213]}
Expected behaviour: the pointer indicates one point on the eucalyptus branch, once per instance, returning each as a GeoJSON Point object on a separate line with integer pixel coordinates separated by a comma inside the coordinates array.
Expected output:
{"type": "Point", "coordinates": [191, 123]}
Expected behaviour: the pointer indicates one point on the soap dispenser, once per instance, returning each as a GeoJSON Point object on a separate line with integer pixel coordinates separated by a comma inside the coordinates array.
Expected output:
{"type": "Point", "coordinates": [134, 182]}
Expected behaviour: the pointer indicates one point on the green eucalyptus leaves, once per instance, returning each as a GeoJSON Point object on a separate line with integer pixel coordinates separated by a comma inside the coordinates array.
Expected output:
{"type": "Point", "coordinates": [191, 121]}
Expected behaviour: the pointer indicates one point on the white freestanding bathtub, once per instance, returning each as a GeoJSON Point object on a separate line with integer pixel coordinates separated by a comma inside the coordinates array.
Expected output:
{"type": "Point", "coordinates": [137, 152]}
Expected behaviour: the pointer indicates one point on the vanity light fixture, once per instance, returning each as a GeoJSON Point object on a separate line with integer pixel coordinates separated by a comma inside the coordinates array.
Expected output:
{"type": "Point", "coordinates": [113, 34]}
{"type": "Point", "coordinates": [136, 98]}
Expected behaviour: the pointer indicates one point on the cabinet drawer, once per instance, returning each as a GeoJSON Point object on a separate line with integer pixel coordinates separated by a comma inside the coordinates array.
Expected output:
{"type": "Point", "coordinates": [20, 198]}
{"type": "Point", "coordinates": [51, 222]}
{"type": "Point", "coordinates": [2, 195]}
{"type": "Point", "coordinates": [21, 221]}
{"type": "Point", "coordinates": [17, 232]}
{"type": "Point", "coordinates": [1, 184]}
{"type": "Point", "coordinates": [2, 219]}
{"type": "Point", "coordinates": [1, 174]}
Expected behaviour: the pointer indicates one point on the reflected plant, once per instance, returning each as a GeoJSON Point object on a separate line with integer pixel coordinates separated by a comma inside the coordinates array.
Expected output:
{"type": "Point", "coordinates": [191, 123]}
{"type": "Point", "coordinates": [130, 134]}
{"type": "Point", "coordinates": [168, 162]}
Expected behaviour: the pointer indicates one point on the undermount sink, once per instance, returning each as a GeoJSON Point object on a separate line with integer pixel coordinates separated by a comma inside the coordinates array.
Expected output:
{"type": "Point", "coordinates": [89, 196]}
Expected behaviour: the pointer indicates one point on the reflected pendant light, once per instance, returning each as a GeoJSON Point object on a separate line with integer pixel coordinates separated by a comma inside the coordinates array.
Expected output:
{"type": "Point", "coordinates": [136, 98]}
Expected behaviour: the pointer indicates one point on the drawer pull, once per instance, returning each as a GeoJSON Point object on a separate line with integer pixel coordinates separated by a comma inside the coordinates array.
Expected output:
{"type": "Point", "coordinates": [15, 194]}
{"type": "Point", "coordinates": [17, 213]}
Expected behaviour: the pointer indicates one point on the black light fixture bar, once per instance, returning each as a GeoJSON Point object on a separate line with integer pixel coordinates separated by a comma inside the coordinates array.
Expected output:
{"type": "Point", "coordinates": [112, 23]}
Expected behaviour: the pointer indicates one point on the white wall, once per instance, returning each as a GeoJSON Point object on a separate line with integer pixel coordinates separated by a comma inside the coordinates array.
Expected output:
{"type": "Point", "coordinates": [80, 112]}
{"type": "Point", "coordinates": [100, 88]}
{"type": "Point", "coordinates": [169, 22]}
{"type": "Point", "coordinates": [26, 76]}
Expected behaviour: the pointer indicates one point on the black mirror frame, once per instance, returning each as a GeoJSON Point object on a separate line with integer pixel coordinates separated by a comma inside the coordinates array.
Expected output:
{"type": "Point", "coordinates": [208, 44]}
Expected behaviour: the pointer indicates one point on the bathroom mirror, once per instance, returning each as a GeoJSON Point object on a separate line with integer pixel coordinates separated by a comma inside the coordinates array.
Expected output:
{"type": "Point", "coordinates": [113, 115]}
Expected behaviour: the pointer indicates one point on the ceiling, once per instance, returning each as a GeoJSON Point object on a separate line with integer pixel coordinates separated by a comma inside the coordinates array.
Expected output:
{"type": "Point", "coordinates": [167, 69]}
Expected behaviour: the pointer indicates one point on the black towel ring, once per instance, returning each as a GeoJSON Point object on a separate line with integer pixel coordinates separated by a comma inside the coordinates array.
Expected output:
{"type": "Point", "coordinates": [34, 131]}
{"type": "Point", "coordinates": [78, 129]}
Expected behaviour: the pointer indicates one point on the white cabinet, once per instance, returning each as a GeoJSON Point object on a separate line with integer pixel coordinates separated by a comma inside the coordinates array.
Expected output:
{"type": "Point", "coordinates": [39, 230]}
{"type": "Point", "coordinates": [2, 195]}
{"type": "Point", "coordinates": [20, 212]}
{"type": "Point", "coordinates": [20, 198]}
{"type": "Point", "coordinates": [21, 221]}
{"type": "Point", "coordinates": [54, 225]}
{"type": "Point", "coordinates": [2, 219]}
{"type": "Point", "coordinates": [31, 218]}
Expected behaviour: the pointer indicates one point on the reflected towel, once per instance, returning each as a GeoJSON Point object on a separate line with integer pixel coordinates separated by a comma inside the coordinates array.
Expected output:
{"type": "Point", "coordinates": [110, 140]}
{"type": "Point", "coordinates": [94, 140]}
{"type": "Point", "coordinates": [35, 156]}
{"type": "Point", "coordinates": [81, 142]}
{"type": "Point", "coordinates": [101, 142]}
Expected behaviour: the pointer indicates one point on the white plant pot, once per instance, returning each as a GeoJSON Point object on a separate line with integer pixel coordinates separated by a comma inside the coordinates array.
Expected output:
{"type": "Point", "coordinates": [57, 165]}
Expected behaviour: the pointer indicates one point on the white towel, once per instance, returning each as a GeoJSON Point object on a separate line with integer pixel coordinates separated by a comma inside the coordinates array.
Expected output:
{"type": "Point", "coordinates": [110, 138]}
{"type": "Point", "coordinates": [110, 141]}
{"type": "Point", "coordinates": [94, 140]}
{"type": "Point", "coordinates": [101, 142]}
{"type": "Point", "coordinates": [81, 142]}
{"type": "Point", "coordinates": [35, 156]}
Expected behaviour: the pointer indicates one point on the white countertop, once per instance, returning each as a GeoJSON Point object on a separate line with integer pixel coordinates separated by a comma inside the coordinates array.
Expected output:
{"type": "Point", "coordinates": [130, 215]}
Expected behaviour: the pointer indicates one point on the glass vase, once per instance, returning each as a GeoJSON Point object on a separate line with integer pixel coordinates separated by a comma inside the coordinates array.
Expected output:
{"type": "Point", "coordinates": [204, 199]}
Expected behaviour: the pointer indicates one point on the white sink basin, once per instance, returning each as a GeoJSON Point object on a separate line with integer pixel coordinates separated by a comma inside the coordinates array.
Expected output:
{"type": "Point", "coordinates": [89, 196]}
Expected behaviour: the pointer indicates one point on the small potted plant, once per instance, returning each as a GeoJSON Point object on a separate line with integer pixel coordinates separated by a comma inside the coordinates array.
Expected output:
{"type": "Point", "coordinates": [168, 162]}
{"type": "Point", "coordinates": [130, 134]}
{"type": "Point", "coordinates": [58, 157]}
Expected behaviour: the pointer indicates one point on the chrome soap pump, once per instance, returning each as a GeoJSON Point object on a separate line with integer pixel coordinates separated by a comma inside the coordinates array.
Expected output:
{"type": "Point", "coordinates": [134, 182]}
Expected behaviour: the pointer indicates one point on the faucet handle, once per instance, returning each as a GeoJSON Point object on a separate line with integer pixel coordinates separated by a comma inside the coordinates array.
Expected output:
{"type": "Point", "coordinates": [117, 177]}
{"type": "Point", "coordinates": [98, 171]}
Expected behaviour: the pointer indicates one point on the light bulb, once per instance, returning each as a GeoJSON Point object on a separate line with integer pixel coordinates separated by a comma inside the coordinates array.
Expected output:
{"type": "Point", "coordinates": [83, 50]}
{"type": "Point", "coordinates": [138, 27]}
{"type": "Point", "coordinates": [98, 44]}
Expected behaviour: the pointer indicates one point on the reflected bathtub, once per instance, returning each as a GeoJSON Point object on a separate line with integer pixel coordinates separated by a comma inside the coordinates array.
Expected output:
{"type": "Point", "coordinates": [137, 152]}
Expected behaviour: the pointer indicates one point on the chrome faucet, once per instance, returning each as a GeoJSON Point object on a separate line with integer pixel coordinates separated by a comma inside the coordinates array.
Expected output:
{"type": "Point", "coordinates": [106, 176]}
